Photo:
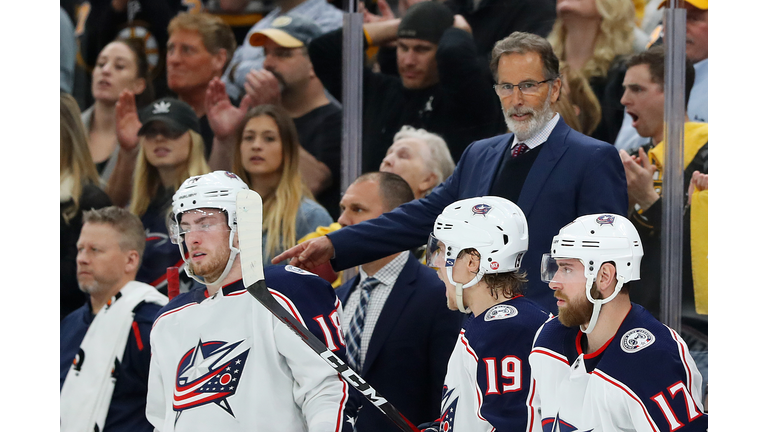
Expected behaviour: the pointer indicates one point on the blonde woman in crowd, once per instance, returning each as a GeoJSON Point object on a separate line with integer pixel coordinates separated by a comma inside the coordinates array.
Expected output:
{"type": "Point", "coordinates": [592, 37]}
{"type": "Point", "coordinates": [79, 183]}
{"type": "Point", "coordinates": [170, 151]}
{"type": "Point", "coordinates": [267, 159]}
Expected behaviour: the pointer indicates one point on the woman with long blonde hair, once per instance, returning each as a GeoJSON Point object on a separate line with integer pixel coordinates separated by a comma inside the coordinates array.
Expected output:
{"type": "Point", "coordinates": [267, 159]}
{"type": "Point", "coordinates": [170, 151]}
{"type": "Point", "coordinates": [79, 187]}
{"type": "Point", "coordinates": [593, 37]}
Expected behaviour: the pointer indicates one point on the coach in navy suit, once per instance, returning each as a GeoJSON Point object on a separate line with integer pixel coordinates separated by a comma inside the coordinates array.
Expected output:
{"type": "Point", "coordinates": [398, 329]}
{"type": "Point", "coordinates": [562, 175]}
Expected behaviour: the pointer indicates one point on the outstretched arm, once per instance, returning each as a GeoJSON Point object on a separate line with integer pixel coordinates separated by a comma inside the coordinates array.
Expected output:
{"type": "Point", "coordinates": [309, 254]}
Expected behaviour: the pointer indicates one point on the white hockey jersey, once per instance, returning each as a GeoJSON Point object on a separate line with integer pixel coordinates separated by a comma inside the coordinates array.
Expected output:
{"type": "Point", "coordinates": [643, 379]}
{"type": "Point", "coordinates": [228, 364]}
{"type": "Point", "coordinates": [487, 385]}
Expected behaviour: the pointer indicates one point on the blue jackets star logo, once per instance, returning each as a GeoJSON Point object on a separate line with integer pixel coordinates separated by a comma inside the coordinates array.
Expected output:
{"type": "Point", "coordinates": [209, 373]}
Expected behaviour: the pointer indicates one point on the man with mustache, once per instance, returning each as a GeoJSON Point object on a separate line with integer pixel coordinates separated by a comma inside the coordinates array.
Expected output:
{"type": "Point", "coordinates": [591, 365]}
{"type": "Point", "coordinates": [289, 80]}
{"type": "Point", "coordinates": [564, 174]}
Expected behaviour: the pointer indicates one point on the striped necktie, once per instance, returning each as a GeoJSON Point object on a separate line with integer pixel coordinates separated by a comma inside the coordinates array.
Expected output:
{"type": "Point", "coordinates": [357, 324]}
{"type": "Point", "coordinates": [519, 149]}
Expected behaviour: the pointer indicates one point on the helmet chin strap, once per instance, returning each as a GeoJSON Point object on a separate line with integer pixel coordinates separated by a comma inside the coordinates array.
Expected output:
{"type": "Point", "coordinates": [460, 289]}
{"type": "Point", "coordinates": [598, 303]}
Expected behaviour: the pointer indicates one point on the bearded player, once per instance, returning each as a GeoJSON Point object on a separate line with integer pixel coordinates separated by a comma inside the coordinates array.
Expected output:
{"type": "Point", "coordinates": [477, 246]}
{"type": "Point", "coordinates": [221, 360]}
{"type": "Point", "coordinates": [606, 364]}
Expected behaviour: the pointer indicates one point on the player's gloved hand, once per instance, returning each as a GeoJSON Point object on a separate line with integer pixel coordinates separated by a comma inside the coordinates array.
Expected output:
{"type": "Point", "coordinates": [429, 427]}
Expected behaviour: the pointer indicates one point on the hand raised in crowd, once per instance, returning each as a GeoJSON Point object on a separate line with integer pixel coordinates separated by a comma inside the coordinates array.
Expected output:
{"type": "Point", "coordinates": [127, 119]}
{"type": "Point", "coordinates": [699, 182]}
{"type": "Point", "coordinates": [385, 13]}
{"type": "Point", "coordinates": [309, 254]}
{"type": "Point", "coordinates": [263, 87]}
{"type": "Point", "coordinates": [224, 117]}
{"type": "Point", "coordinates": [639, 172]}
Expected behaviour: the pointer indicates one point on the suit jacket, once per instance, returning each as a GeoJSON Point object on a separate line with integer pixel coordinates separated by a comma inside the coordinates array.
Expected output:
{"type": "Point", "coordinates": [573, 175]}
{"type": "Point", "coordinates": [408, 353]}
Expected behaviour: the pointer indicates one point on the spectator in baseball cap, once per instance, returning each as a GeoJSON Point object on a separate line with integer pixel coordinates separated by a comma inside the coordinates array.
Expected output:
{"type": "Point", "coordinates": [170, 150]}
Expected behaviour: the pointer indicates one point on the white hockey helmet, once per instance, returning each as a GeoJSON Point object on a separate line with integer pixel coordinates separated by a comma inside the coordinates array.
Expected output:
{"type": "Point", "coordinates": [494, 226]}
{"type": "Point", "coordinates": [216, 190]}
{"type": "Point", "coordinates": [594, 240]}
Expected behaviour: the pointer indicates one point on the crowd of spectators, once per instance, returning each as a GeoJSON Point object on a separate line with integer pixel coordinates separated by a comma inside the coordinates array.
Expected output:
{"type": "Point", "coordinates": [156, 91]}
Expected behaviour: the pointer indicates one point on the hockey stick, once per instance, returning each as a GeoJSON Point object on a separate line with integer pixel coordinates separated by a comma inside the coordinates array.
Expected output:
{"type": "Point", "coordinates": [249, 232]}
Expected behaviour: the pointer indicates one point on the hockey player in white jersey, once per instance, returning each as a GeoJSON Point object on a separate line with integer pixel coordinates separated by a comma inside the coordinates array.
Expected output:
{"type": "Point", "coordinates": [606, 364]}
{"type": "Point", "coordinates": [477, 245]}
{"type": "Point", "coordinates": [221, 360]}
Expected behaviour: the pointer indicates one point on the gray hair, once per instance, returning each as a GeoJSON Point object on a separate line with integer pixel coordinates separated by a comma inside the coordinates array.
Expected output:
{"type": "Point", "coordinates": [440, 161]}
{"type": "Point", "coordinates": [524, 43]}
{"type": "Point", "coordinates": [127, 224]}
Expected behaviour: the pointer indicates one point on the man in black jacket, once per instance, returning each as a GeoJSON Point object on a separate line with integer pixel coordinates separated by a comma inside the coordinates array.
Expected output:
{"type": "Point", "coordinates": [443, 86]}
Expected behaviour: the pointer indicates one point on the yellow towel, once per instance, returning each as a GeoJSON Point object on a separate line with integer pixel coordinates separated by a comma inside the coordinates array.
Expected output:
{"type": "Point", "coordinates": [700, 249]}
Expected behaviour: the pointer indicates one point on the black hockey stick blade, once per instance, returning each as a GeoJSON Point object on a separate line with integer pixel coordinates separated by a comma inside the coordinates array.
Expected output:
{"type": "Point", "coordinates": [249, 219]}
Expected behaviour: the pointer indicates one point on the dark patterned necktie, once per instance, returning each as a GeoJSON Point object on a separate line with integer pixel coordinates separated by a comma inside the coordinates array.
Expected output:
{"type": "Point", "coordinates": [358, 323]}
{"type": "Point", "coordinates": [519, 149]}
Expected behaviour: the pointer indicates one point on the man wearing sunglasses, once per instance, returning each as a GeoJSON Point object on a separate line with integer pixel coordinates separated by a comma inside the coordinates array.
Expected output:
{"type": "Point", "coordinates": [553, 173]}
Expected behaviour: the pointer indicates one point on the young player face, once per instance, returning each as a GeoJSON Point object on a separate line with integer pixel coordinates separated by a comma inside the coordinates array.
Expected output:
{"type": "Point", "coordinates": [526, 114]}
{"type": "Point", "coordinates": [101, 263]}
{"type": "Point", "coordinates": [165, 148]}
{"type": "Point", "coordinates": [360, 202]}
{"type": "Point", "coordinates": [416, 63]}
{"type": "Point", "coordinates": [644, 101]}
{"type": "Point", "coordinates": [190, 65]}
{"type": "Point", "coordinates": [407, 158]}
{"type": "Point", "coordinates": [206, 235]}
{"type": "Point", "coordinates": [261, 149]}
{"type": "Point", "coordinates": [569, 284]}
{"type": "Point", "coordinates": [115, 71]}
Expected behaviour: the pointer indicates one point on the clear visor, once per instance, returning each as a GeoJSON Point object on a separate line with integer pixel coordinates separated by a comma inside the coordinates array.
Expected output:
{"type": "Point", "coordinates": [560, 270]}
{"type": "Point", "coordinates": [198, 220]}
{"type": "Point", "coordinates": [435, 253]}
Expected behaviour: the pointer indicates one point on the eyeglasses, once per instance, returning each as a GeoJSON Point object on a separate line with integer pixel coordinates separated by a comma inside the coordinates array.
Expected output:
{"type": "Point", "coordinates": [526, 87]}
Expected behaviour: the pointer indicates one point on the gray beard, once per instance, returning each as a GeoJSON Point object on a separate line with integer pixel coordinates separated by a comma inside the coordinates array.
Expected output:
{"type": "Point", "coordinates": [525, 130]}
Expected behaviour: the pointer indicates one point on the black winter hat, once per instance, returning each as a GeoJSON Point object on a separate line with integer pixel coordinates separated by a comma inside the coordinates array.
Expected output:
{"type": "Point", "coordinates": [427, 20]}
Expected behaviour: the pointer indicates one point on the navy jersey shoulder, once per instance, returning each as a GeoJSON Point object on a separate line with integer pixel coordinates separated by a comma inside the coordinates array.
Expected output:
{"type": "Point", "coordinates": [642, 340]}
{"type": "Point", "coordinates": [510, 325]}
{"type": "Point", "coordinates": [197, 294]}
{"type": "Point", "coordinates": [312, 294]}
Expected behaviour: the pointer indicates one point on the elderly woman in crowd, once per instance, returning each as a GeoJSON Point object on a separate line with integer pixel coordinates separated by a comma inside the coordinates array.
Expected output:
{"type": "Point", "coordinates": [421, 158]}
